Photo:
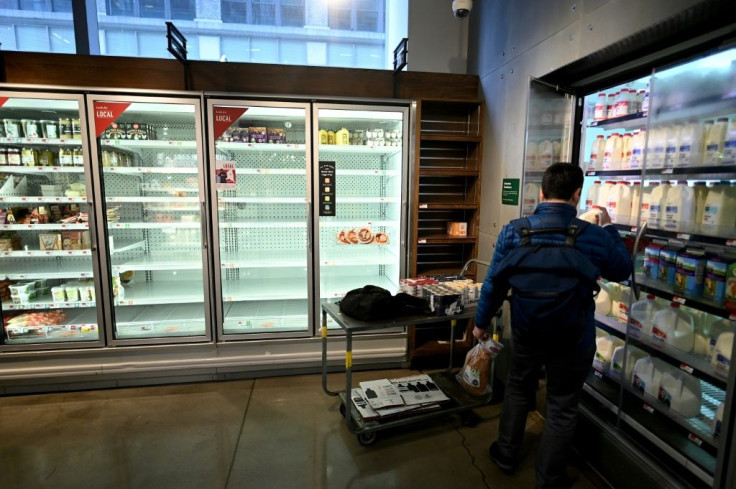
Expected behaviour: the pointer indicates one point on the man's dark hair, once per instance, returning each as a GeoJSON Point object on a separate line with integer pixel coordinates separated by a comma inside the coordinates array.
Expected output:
{"type": "Point", "coordinates": [561, 180]}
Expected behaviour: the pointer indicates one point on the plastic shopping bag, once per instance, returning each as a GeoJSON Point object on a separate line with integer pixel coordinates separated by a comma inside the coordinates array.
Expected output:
{"type": "Point", "coordinates": [475, 374]}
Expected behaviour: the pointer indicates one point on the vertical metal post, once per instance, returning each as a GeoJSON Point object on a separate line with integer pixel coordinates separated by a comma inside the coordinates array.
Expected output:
{"type": "Point", "coordinates": [86, 31]}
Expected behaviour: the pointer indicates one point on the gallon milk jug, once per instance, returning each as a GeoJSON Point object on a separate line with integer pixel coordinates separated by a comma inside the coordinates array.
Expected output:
{"type": "Point", "coordinates": [633, 354]}
{"type": "Point", "coordinates": [614, 290]}
{"type": "Point", "coordinates": [691, 145]}
{"type": "Point", "coordinates": [718, 420]}
{"type": "Point", "coordinates": [626, 148]}
{"type": "Point", "coordinates": [596, 153]}
{"type": "Point", "coordinates": [600, 111]}
{"type": "Point", "coordinates": [679, 210]}
{"type": "Point", "coordinates": [721, 358]}
{"type": "Point", "coordinates": [603, 300]}
{"type": "Point", "coordinates": [658, 201]}
{"type": "Point", "coordinates": [637, 149]}
{"type": "Point", "coordinates": [531, 155]}
{"type": "Point", "coordinates": [618, 203]}
{"type": "Point", "coordinates": [591, 198]}
{"type": "Point", "coordinates": [719, 212]}
{"type": "Point", "coordinates": [545, 154]}
{"type": "Point", "coordinates": [613, 153]}
{"type": "Point", "coordinates": [642, 313]}
{"type": "Point", "coordinates": [700, 189]}
{"type": "Point", "coordinates": [674, 327]}
{"type": "Point", "coordinates": [556, 150]}
{"type": "Point", "coordinates": [646, 202]}
{"type": "Point", "coordinates": [680, 391]}
{"type": "Point", "coordinates": [672, 146]}
{"type": "Point", "coordinates": [604, 346]}
{"type": "Point", "coordinates": [531, 198]}
{"type": "Point", "coordinates": [658, 145]}
{"type": "Point", "coordinates": [715, 329]}
{"type": "Point", "coordinates": [714, 142]}
{"type": "Point", "coordinates": [729, 144]}
{"type": "Point", "coordinates": [635, 201]}
{"type": "Point", "coordinates": [645, 376]}
{"type": "Point", "coordinates": [625, 301]}
{"type": "Point", "coordinates": [701, 343]}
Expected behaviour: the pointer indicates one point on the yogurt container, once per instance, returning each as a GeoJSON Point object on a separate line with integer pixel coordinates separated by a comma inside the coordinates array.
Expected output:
{"type": "Point", "coordinates": [58, 293]}
{"type": "Point", "coordinates": [72, 292]}
{"type": "Point", "coordinates": [86, 293]}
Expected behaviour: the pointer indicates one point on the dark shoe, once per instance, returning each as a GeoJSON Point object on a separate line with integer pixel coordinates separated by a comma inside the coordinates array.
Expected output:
{"type": "Point", "coordinates": [506, 464]}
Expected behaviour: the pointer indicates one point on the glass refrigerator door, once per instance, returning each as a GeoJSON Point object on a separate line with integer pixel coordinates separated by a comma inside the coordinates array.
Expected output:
{"type": "Point", "coordinates": [359, 189]}
{"type": "Point", "coordinates": [258, 169]}
{"type": "Point", "coordinates": [149, 160]}
{"type": "Point", "coordinates": [48, 273]}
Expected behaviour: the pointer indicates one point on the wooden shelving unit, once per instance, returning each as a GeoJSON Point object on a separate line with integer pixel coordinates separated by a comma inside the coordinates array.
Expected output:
{"type": "Point", "coordinates": [447, 176]}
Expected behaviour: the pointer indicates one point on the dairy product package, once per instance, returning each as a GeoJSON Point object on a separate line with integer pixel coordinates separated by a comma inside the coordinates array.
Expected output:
{"type": "Point", "coordinates": [668, 264]}
{"type": "Point", "coordinates": [672, 146]}
{"type": "Point", "coordinates": [596, 153]}
{"type": "Point", "coordinates": [718, 420]}
{"type": "Point", "coordinates": [719, 212]}
{"type": "Point", "coordinates": [635, 202]}
{"type": "Point", "coordinates": [729, 144]}
{"type": "Point", "coordinates": [603, 300]}
{"type": "Point", "coordinates": [626, 299]}
{"type": "Point", "coordinates": [674, 327]}
{"type": "Point", "coordinates": [679, 208]}
{"type": "Point", "coordinates": [720, 343]}
{"type": "Point", "coordinates": [714, 142]}
{"type": "Point", "coordinates": [545, 154]}
{"type": "Point", "coordinates": [593, 215]}
{"type": "Point", "coordinates": [641, 316]}
{"type": "Point", "coordinates": [591, 198]}
{"type": "Point", "coordinates": [702, 324]}
{"type": "Point", "coordinates": [691, 145]}
{"type": "Point", "coordinates": [633, 354]}
{"type": "Point", "coordinates": [531, 155]}
{"type": "Point", "coordinates": [657, 204]}
{"type": "Point", "coordinates": [658, 145]}
{"type": "Point", "coordinates": [700, 191]}
{"type": "Point", "coordinates": [646, 201]}
{"type": "Point", "coordinates": [637, 149]}
{"type": "Point", "coordinates": [689, 272]}
{"type": "Point", "coordinates": [604, 347]}
{"type": "Point", "coordinates": [714, 282]}
{"type": "Point", "coordinates": [531, 198]}
{"type": "Point", "coordinates": [646, 376]}
{"type": "Point", "coordinates": [680, 392]}
{"type": "Point", "coordinates": [618, 203]}
{"type": "Point", "coordinates": [651, 261]}
{"type": "Point", "coordinates": [626, 149]}
{"type": "Point", "coordinates": [613, 152]}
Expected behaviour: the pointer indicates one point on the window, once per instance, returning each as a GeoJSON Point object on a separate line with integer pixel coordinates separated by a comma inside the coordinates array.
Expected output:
{"type": "Point", "coordinates": [357, 15]}
{"type": "Point", "coordinates": [264, 12]}
{"type": "Point", "coordinates": [37, 25]}
{"type": "Point", "coordinates": [153, 9]}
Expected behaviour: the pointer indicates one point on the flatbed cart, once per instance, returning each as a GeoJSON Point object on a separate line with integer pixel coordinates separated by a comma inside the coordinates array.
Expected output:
{"type": "Point", "coordinates": [366, 430]}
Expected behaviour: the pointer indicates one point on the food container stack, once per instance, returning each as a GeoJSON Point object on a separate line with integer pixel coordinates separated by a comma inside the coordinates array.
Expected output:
{"type": "Point", "coordinates": [443, 300]}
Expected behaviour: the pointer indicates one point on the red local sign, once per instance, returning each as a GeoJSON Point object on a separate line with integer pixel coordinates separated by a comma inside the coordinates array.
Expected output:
{"type": "Point", "coordinates": [106, 113]}
{"type": "Point", "coordinates": [226, 117]}
{"type": "Point", "coordinates": [3, 100]}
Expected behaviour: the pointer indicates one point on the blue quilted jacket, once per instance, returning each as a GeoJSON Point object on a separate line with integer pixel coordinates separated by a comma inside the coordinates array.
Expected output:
{"type": "Point", "coordinates": [603, 245]}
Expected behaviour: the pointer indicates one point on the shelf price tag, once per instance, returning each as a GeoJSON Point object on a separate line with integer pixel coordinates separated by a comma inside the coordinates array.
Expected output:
{"type": "Point", "coordinates": [648, 408]}
{"type": "Point", "coordinates": [679, 300]}
{"type": "Point", "coordinates": [687, 368]}
{"type": "Point", "coordinates": [694, 439]}
{"type": "Point", "coordinates": [422, 241]}
{"type": "Point", "coordinates": [598, 374]}
{"type": "Point", "coordinates": [683, 236]}
{"type": "Point", "coordinates": [423, 206]}
{"type": "Point", "coordinates": [731, 242]}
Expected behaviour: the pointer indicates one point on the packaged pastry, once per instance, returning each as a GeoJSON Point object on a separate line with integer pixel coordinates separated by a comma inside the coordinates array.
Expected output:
{"type": "Point", "coordinates": [49, 241]}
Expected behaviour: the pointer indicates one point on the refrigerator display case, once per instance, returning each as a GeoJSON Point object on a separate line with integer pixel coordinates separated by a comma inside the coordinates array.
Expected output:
{"type": "Point", "coordinates": [360, 191]}
{"type": "Point", "coordinates": [659, 155]}
{"type": "Point", "coordinates": [148, 157]}
{"type": "Point", "coordinates": [260, 155]}
{"type": "Point", "coordinates": [49, 276]}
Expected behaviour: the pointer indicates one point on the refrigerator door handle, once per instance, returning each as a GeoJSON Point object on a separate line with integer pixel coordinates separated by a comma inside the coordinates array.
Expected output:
{"type": "Point", "coordinates": [203, 225]}
{"type": "Point", "coordinates": [310, 226]}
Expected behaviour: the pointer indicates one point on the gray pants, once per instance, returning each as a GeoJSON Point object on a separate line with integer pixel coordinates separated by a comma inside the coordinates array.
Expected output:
{"type": "Point", "coordinates": [566, 369]}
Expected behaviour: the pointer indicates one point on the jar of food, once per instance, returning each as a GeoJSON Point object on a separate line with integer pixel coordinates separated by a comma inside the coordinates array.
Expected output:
{"type": "Point", "coordinates": [46, 157]}
{"type": "Point", "coordinates": [30, 128]}
{"type": "Point", "coordinates": [14, 156]}
{"type": "Point", "coordinates": [76, 128]}
{"type": "Point", "coordinates": [65, 157]}
{"type": "Point", "coordinates": [29, 157]}
{"type": "Point", "coordinates": [12, 128]}
{"type": "Point", "coordinates": [77, 157]}
{"type": "Point", "coordinates": [49, 129]}
{"type": "Point", "coordinates": [65, 128]}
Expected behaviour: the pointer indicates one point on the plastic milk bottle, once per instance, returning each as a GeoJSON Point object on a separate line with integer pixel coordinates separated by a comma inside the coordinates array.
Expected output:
{"type": "Point", "coordinates": [618, 203]}
{"type": "Point", "coordinates": [613, 153]}
{"type": "Point", "coordinates": [675, 327]}
{"type": "Point", "coordinates": [679, 210]}
{"type": "Point", "coordinates": [591, 198]}
{"type": "Point", "coordinates": [646, 375]}
{"type": "Point", "coordinates": [729, 144]}
{"type": "Point", "coordinates": [672, 146]}
{"type": "Point", "coordinates": [633, 354]}
{"type": "Point", "coordinates": [719, 211]}
{"type": "Point", "coordinates": [714, 142]}
{"type": "Point", "coordinates": [642, 313]}
{"type": "Point", "coordinates": [680, 391]}
{"type": "Point", "coordinates": [596, 153]}
{"type": "Point", "coordinates": [691, 144]}
{"type": "Point", "coordinates": [637, 149]}
{"type": "Point", "coordinates": [658, 201]}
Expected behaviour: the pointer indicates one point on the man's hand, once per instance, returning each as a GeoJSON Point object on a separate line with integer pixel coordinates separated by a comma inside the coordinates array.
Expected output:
{"type": "Point", "coordinates": [605, 218]}
{"type": "Point", "coordinates": [479, 333]}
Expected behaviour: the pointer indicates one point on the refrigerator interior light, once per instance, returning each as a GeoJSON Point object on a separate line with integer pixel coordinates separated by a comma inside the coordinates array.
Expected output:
{"type": "Point", "coordinates": [360, 114]}
{"type": "Point", "coordinates": [41, 104]}
{"type": "Point", "coordinates": [166, 108]}
{"type": "Point", "coordinates": [254, 112]}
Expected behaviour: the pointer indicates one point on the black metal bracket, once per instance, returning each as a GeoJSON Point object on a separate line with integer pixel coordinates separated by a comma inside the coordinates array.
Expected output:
{"type": "Point", "coordinates": [177, 46]}
{"type": "Point", "coordinates": [400, 55]}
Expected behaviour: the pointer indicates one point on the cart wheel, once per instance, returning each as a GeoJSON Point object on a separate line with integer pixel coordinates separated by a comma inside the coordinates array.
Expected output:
{"type": "Point", "coordinates": [367, 439]}
{"type": "Point", "coordinates": [342, 410]}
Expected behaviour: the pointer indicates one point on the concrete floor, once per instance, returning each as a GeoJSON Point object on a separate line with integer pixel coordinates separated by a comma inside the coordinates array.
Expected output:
{"type": "Point", "coordinates": [266, 433]}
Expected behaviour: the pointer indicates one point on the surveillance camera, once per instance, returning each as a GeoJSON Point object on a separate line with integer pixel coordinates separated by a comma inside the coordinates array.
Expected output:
{"type": "Point", "coordinates": [461, 8]}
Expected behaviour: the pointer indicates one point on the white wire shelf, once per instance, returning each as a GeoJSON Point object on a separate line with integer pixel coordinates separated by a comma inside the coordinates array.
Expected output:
{"type": "Point", "coordinates": [324, 223]}
{"type": "Point", "coordinates": [137, 170]}
{"type": "Point", "coordinates": [303, 171]}
{"type": "Point", "coordinates": [153, 200]}
{"type": "Point", "coordinates": [265, 259]}
{"type": "Point", "coordinates": [33, 170]}
{"type": "Point", "coordinates": [365, 200]}
{"type": "Point", "coordinates": [81, 325]}
{"type": "Point", "coordinates": [45, 253]}
{"type": "Point", "coordinates": [178, 261]}
{"type": "Point", "coordinates": [347, 149]}
{"type": "Point", "coordinates": [263, 224]}
{"type": "Point", "coordinates": [32, 199]}
{"type": "Point", "coordinates": [158, 320]}
{"type": "Point", "coordinates": [264, 316]}
{"type": "Point", "coordinates": [260, 147]}
{"type": "Point", "coordinates": [46, 303]}
{"type": "Point", "coordinates": [149, 188]}
{"type": "Point", "coordinates": [44, 227]}
{"type": "Point", "coordinates": [42, 141]}
{"type": "Point", "coordinates": [162, 292]}
{"type": "Point", "coordinates": [262, 200]}
{"type": "Point", "coordinates": [357, 255]}
{"type": "Point", "coordinates": [43, 269]}
{"type": "Point", "coordinates": [337, 287]}
{"type": "Point", "coordinates": [147, 144]}
{"type": "Point", "coordinates": [121, 246]}
{"type": "Point", "coordinates": [153, 225]}
{"type": "Point", "coordinates": [254, 289]}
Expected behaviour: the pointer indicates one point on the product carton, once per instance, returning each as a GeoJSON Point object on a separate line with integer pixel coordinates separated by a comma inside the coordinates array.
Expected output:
{"type": "Point", "coordinates": [75, 240]}
{"type": "Point", "coordinates": [730, 299]}
{"type": "Point", "coordinates": [49, 241]}
{"type": "Point", "coordinates": [457, 228]}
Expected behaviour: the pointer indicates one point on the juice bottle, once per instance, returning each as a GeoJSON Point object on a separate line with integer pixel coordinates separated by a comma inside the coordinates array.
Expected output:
{"type": "Point", "coordinates": [330, 137]}
{"type": "Point", "coordinates": [613, 153]}
{"type": "Point", "coordinates": [658, 201]}
{"type": "Point", "coordinates": [691, 144]}
{"type": "Point", "coordinates": [342, 137]}
{"type": "Point", "coordinates": [679, 208]}
{"type": "Point", "coordinates": [322, 136]}
{"type": "Point", "coordinates": [672, 146]}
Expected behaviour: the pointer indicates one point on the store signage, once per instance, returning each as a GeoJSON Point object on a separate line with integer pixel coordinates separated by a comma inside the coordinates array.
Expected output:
{"type": "Point", "coordinates": [3, 100]}
{"type": "Point", "coordinates": [106, 113]}
{"type": "Point", "coordinates": [225, 117]}
{"type": "Point", "coordinates": [326, 188]}
{"type": "Point", "coordinates": [510, 191]}
{"type": "Point", "coordinates": [225, 175]}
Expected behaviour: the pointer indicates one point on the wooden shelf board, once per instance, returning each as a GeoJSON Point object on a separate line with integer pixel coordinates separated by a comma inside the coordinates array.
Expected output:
{"type": "Point", "coordinates": [446, 206]}
{"type": "Point", "coordinates": [460, 138]}
{"type": "Point", "coordinates": [445, 238]}
{"type": "Point", "coordinates": [450, 172]}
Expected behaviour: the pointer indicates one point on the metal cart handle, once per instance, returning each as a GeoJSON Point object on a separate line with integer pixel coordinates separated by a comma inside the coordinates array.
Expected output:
{"type": "Point", "coordinates": [471, 261]}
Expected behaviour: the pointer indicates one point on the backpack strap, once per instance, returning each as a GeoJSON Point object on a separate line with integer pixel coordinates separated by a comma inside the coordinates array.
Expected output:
{"type": "Point", "coordinates": [524, 228]}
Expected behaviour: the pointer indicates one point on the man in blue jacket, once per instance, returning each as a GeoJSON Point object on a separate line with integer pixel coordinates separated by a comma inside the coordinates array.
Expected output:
{"type": "Point", "coordinates": [566, 362]}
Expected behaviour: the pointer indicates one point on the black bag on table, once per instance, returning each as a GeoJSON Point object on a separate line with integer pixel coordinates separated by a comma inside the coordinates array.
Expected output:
{"type": "Point", "coordinates": [373, 303]}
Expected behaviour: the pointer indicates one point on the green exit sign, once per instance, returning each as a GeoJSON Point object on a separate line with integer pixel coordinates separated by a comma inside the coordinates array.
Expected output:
{"type": "Point", "coordinates": [510, 191]}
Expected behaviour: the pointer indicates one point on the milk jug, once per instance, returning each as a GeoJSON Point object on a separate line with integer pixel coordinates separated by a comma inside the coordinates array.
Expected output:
{"type": "Point", "coordinates": [635, 201]}
{"type": "Point", "coordinates": [600, 111]}
{"type": "Point", "coordinates": [603, 193]}
{"type": "Point", "coordinates": [642, 313]}
{"type": "Point", "coordinates": [672, 146]}
{"type": "Point", "coordinates": [718, 420]}
{"type": "Point", "coordinates": [556, 150]}
{"type": "Point", "coordinates": [545, 154]}
{"type": "Point", "coordinates": [625, 301]}
{"type": "Point", "coordinates": [658, 201]}
{"type": "Point", "coordinates": [707, 125]}
{"type": "Point", "coordinates": [700, 189]}
{"type": "Point", "coordinates": [701, 343]}
{"type": "Point", "coordinates": [637, 149]}
{"type": "Point", "coordinates": [721, 358]}
{"type": "Point", "coordinates": [613, 152]}
{"type": "Point", "coordinates": [618, 203]}
{"type": "Point", "coordinates": [680, 391]}
{"type": "Point", "coordinates": [719, 210]}
{"type": "Point", "coordinates": [531, 155]}
{"type": "Point", "coordinates": [614, 290]}
{"type": "Point", "coordinates": [658, 144]}
{"type": "Point", "coordinates": [591, 198]}
{"type": "Point", "coordinates": [691, 144]}
{"type": "Point", "coordinates": [646, 201]}
{"type": "Point", "coordinates": [646, 375]}
{"type": "Point", "coordinates": [679, 209]}
{"type": "Point", "coordinates": [603, 300]}
{"type": "Point", "coordinates": [531, 198]}
{"type": "Point", "coordinates": [342, 137]}
{"type": "Point", "coordinates": [729, 144]}
{"type": "Point", "coordinates": [604, 346]}
{"type": "Point", "coordinates": [596, 153]}
{"type": "Point", "coordinates": [633, 354]}
{"type": "Point", "coordinates": [626, 148]}
{"type": "Point", "coordinates": [674, 327]}
{"type": "Point", "coordinates": [714, 142]}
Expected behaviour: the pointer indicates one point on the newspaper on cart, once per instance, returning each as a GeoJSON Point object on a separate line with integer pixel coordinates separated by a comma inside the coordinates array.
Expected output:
{"type": "Point", "coordinates": [391, 397]}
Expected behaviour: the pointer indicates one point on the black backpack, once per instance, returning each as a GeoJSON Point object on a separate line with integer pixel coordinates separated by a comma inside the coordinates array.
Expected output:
{"type": "Point", "coordinates": [373, 303]}
{"type": "Point", "coordinates": [553, 285]}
